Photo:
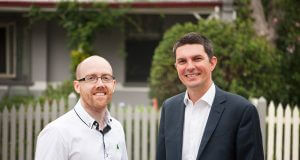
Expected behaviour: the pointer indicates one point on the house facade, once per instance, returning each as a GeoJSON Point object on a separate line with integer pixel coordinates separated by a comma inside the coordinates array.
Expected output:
{"type": "Point", "coordinates": [31, 58]}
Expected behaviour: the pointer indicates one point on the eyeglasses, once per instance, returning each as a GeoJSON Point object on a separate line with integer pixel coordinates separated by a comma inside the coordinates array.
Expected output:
{"type": "Point", "coordinates": [105, 78]}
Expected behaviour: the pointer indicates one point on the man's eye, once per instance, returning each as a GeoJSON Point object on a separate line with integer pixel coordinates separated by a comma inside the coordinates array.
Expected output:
{"type": "Point", "coordinates": [181, 62]}
{"type": "Point", "coordinates": [90, 78]}
{"type": "Point", "coordinates": [105, 78]}
{"type": "Point", "coordinates": [198, 59]}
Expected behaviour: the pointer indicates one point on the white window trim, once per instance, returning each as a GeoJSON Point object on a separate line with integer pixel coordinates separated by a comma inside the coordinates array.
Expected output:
{"type": "Point", "coordinates": [10, 71]}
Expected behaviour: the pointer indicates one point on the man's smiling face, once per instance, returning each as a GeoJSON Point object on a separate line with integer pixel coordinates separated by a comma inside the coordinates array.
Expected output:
{"type": "Point", "coordinates": [193, 66]}
{"type": "Point", "coordinates": [94, 96]}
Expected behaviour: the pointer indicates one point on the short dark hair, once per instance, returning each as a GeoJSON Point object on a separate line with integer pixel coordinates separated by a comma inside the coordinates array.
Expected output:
{"type": "Point", "coordinates": [195, 38]}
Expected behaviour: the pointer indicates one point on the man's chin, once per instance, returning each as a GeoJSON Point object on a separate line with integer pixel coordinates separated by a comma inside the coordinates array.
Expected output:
{"type": "Point", "coordinates": [192, 84]}
{"type": "Point", "coordinates": [100, 103]}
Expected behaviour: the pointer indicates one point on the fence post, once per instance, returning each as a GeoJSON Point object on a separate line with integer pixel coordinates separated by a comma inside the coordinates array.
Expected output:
{"type": "Point", "coordinates": [54, 113]}
{"type": "Point", "coordinates": [13, 125]}
{"type": "Point", "coordinates": [271, 126]}
{"type": "Point", "coordinates": [72, 100]}
{"type": "Point", "coordinates": [21, 131]}
{"type": "Point", "coordinates": [61, 107]}
{"type": "Point", "coordinates": [144, 133]}
{"type": "Point", "coordinates": [287, 132]}
{"type": "Point", "coordinates": [37, 122]}
{"type": "Point", "coordinates": [129, 118]}
{"type": "Point", "coordinates": [279, 132]}
{"type": "Point", "coordinates": [5, 134]}
{"type": "Point", "coordinates": [262, 112]}
{"type": "Point", "coordinates": [153, 128]}
{"type": "Point", "coordinates": [29, 127]}
{"type": "Point", "coordinates": [296, 122]}
{"type": "Point", "coordinates": [136, 146]}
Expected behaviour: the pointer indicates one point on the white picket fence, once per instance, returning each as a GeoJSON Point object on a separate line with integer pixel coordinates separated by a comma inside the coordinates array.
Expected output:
{"type": "Point", "coordinates": [20, 127]}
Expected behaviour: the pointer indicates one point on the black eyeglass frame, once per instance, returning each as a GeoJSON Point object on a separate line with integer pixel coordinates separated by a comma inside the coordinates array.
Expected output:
{"type": "Point", "coordinates": [84, 78]}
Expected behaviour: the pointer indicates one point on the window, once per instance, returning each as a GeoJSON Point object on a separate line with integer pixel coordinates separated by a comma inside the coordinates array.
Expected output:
{"type": "Point", "coordinates": [139, 59]}
{"type": "Point", "coordinates": [7, 50]}
{"type": "Point", "coordinates": [142, 37]}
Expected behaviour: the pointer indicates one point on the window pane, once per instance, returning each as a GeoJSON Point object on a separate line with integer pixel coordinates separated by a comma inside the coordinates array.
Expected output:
{"type": "Point", "coordinates": [139, 59]}
{"type": "Point", "coordinates": [2, 50]}
{"type": "Point", "coordinates": [11, 50]}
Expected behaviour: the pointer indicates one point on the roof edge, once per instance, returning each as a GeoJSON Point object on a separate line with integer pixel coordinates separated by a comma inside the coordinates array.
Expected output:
{"type": "Point", "coordinates": [169, 4]}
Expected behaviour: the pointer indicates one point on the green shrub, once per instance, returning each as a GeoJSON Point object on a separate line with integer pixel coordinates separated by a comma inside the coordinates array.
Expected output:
{"type": "Point", "coordinates": [76, 57]}
{"type": "Point", "coordinates": [247, 64]}
{"type": "Point", "coordinates": [51, 93]}
{"type": "Point", "coordinates": [289, 43]}
{"type": "Point", "coordinates": [16, 101]}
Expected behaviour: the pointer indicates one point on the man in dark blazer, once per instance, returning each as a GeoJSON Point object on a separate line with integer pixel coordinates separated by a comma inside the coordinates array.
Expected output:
{"type": "Point", "coordinates": [205, 122]}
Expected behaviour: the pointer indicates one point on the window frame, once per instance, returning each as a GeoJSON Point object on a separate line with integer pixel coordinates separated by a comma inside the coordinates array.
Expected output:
{"type": "Point", "coordinates": [11, 50]}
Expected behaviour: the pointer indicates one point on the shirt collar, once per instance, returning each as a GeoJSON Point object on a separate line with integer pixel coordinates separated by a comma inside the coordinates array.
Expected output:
{"type": "Point", "coordinates": [208, 97]}
{"type": "Point", "coordinates": [86, 118]}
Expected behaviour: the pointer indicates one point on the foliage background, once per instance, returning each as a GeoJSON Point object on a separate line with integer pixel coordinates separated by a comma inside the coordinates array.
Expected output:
{"type": "Point", "coordinates": [249, 64]}
{"type": "Point", "coordinates": [288, 42]}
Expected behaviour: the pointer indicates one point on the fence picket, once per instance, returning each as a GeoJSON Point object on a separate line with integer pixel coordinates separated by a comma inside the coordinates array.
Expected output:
{"type": "Point", "coordinates": [262, 111]}
{"type": "Point", "coordinates": [296, 122]}
{"type": "Point", "coordinates": [61, 107]}
{"type": "Point", "coordinates": [144, 134]}
{"type": "Point", "coordinates": [37, 122]}
{"type": "Point", "coordinates": [13, 131]}
{"type": "Point", "coordinates": [5, 133]}
{"type": "Point", "coordinates": [72, 100]}
{"type": "Point", "coordinates": [153, 122]}
{"type": "Point", "coordinates": [46, 114]}
{"type": "Point", "coordinates": [279, 132]}
{"type": "Point", "coordinates": [136, 146]}
{"type": "Point", "coordinates": [54, 112]}
{"type": "Point", "coordinates": [120, 111]}
{"type": "Point", "coordinates": [29, 133]}
{"type": "Point", "coordinates": [129, 131]}
{"type": "Point", "coordinates": [112, 110]}
{"type": "Point", "coordinates": [287, 132]}
{"type": "Point", "coordinates": [271, 122]}
{"type": "Point", "coordinates": [21, 132]}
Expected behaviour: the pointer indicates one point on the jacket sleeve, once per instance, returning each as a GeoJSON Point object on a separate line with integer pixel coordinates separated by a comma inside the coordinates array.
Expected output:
{"type": "Point", "coordinates": [161, 149]}
{"type": "Point", "coordinates": [249, 139]}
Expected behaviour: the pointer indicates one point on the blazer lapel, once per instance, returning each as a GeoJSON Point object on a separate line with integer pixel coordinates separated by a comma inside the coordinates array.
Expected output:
{"type": "Point", "coordinates": [180, 123]}
{"type": "Point", "coordinates": [213, 119]}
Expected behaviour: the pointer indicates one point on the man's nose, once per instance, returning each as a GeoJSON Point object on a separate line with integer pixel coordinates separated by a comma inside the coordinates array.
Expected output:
{"type": "Point", "coordinates": [99, 82]}
{"type": "Point", "coordinates": [190, 65]}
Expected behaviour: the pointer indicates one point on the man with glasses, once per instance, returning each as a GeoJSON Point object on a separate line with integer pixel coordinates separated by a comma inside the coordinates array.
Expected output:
{"type": "Point", "coordinates": [87, 132]}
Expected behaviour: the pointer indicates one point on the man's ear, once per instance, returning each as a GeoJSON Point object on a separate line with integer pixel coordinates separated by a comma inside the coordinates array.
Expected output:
{"type": "Point", "coordinates": [76, 86]}
{"type": "Point", "coordinates": [213, 62]}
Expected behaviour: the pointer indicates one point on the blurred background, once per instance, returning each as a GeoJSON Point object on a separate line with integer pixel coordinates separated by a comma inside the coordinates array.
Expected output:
{"type": "Point", "coordinates": [42, 41]}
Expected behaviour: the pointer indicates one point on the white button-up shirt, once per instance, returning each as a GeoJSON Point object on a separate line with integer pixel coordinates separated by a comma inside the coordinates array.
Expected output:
{"type": "Point", "coordinates": [74, 136]}
{"type": "Point", "coordinates": [195, 120]}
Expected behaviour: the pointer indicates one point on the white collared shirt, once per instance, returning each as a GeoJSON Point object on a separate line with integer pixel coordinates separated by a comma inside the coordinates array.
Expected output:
{"type": "Point", "coordinates": [74, 137]}
{"type": "Point", "coordinates": [195, 120]}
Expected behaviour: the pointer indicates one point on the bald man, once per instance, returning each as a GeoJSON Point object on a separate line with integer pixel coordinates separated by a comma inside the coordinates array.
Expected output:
{"type": "Point", "coordinates": [87, 132]}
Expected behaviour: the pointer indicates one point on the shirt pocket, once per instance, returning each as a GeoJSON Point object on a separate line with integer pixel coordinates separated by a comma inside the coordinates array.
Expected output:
{"type": "Point", "coordinates": [115, 150]}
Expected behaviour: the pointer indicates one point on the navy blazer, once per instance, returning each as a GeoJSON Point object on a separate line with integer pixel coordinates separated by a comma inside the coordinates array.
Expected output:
{"type": "Point", "coordinates": [232, 131]}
